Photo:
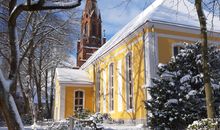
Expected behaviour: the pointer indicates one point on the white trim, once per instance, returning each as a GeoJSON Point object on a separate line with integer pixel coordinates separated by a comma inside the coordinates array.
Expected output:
{"type": "Point", "coordinates": [74, 96]}
{"type": "Point", "coordinates": [185, 38]}
{"type": "Point", "coordinates": [109, 94]}
{"type": "Point", "coordinates": [62, 102]}
{"type": "Point", "coordinates": [179, 28]}
{"type": "Point", "coordinates": [104, 91]}
{"type": "Point", "coordinates": [132, 80]}
{"type": "Point", "coordinates": [178, 37]}
{"type": "Point", "coordinates": [120, 79]}
{"type": "Point", "coordinates": [77, 85]}
{"type": "Point", "coordinates": [156, 52]}
{"type": "Point", "coordinates": [149, 64]}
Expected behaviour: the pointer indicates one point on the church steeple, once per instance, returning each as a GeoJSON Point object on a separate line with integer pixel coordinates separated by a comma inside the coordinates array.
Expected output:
{"type": "Point", "coordinates": [91, 32]}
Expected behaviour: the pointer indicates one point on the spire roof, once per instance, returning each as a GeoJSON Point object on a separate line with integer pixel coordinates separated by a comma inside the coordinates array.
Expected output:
{"type": "Point", "coordinates": [91, 7]}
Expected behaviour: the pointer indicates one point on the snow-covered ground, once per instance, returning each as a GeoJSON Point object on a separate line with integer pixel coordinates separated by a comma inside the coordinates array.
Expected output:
{"type": "Point", "coordinates": [123, 127]}
{"type": "Point", "coordinates": [106, 127]}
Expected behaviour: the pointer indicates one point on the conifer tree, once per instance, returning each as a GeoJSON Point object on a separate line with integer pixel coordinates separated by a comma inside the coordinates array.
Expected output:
{"type": "Point", "coordinates": [178, 96]}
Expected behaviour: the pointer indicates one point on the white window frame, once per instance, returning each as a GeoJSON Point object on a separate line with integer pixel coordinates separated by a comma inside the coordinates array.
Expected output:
{"type": "Point", "coordinates": [98, 93]}
{"type": "Point", "coordinates": [129, 94]}
{"type": "Point", "coordinates": [111, 87]}
{"type": "Point", "coordinates": [74, 102]}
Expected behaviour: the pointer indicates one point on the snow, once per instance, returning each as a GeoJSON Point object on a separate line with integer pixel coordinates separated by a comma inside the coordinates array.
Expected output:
{"type": "Point", "coordinates": [160, 65]}
{"type": "Point", "coordinates": [180, 13]}
{"type": "Point", "coordinates": [58, 4]}
{"type": "Point", "coordinates": [192, 93]}
{"type": "Point", "coordinates": [124, 127]}
{"type": "Point", "coordinates": [171, 119]}
{"type": "Point", "coordinates": [171, 101]}
{"type": "Point", "coordinates": [215, 86]}
{"type": "Point", "coordinates": [6, 83]}
{"type": "Point", "coordinates": [73, 76]}
{"type": "Point", "coordinates": [185, 78]}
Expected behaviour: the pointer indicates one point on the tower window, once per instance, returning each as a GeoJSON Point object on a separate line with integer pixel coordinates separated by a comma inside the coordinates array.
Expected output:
{"type": "Point", "coordinates": [85, 29]}
{"type": "Point", "coordinates": [94, 29]}
{"type": "Point", "coordinates": [111, 87]}
{"type": "Point", "coordinates": [129, 83]}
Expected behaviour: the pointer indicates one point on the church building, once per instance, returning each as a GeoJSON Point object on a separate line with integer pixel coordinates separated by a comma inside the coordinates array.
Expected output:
{"type": "Point", "coordinates": [114, 76]}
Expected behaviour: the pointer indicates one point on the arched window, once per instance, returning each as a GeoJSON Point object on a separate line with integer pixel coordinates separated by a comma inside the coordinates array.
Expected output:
{"type": "Point", "coordinates": [94, 29]}
{"type": "Point", "coordinates": [129, 82]}
{"type": "Point", "coordinates": [98, 90]}
{"type": "Point", "coordinates": [111, 87]}
{"type": "Point", "coordinates": [79, 100]}
{"type": "Point", "coordinates": [86, 29]}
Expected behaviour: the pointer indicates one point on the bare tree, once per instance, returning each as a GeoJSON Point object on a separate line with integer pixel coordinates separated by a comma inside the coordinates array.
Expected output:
{"type": "Point", "coordinates": [8, 85]}
{"type": "Point", "coordinates": [50, 36]}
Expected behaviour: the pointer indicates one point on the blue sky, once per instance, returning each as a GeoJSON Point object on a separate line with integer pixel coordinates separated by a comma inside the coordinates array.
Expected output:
{"type": "Point", "coordinates": [116, 14]}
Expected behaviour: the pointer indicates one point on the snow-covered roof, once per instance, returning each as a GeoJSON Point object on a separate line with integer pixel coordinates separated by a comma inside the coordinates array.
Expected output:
{"type": "Point", "coordinates": [73, 76]}
{"type": "Point", "coordinates": [174, 12]}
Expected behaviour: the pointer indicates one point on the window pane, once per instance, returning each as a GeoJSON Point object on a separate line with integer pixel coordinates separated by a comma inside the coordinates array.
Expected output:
{"type": "Point", "coordinates": [131, 103]}
{"type": "Point", "coordinates": [81, 102]}
{"type": "Point", "coordinates": [175, 50]}
{"type": "Point", "coordinates": [76, 102]}
{"type": "Point", "coordinates": [81, 94]}
{"type": "Point", "coordinates": [77, 94]}
{"type": "Point", "coordinates": [130, 90]}
{"type": "Point", "coordinates": [129, 85]}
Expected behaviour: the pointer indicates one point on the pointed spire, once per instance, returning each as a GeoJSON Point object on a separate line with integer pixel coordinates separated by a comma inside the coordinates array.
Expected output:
{"type": "Point", "coordinates": [91, 7]}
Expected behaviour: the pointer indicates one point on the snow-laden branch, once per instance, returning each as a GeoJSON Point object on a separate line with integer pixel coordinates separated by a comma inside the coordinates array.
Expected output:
{"type": "Point", "coordinates": [61, 5]}
{"type": "Point", "coordinates": [6, 83]}
{"type": "Point", "coordinates": [42, 5]}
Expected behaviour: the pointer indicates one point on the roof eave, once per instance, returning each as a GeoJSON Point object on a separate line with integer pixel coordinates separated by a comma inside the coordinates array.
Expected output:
{"type": "Point", "coordinates": [76, 83]}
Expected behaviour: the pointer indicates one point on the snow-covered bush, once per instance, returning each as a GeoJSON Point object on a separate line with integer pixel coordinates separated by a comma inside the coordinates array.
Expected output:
{"type": "Point", "coordinates": [178, 96]}
{"type": "Point", "coordinates": [82, 114]}
{"type": "Point", "coordinates": [85, 119]}
{"type": "Point", "coordinates": [204, 124]}
{"type": "Point", "coordinates": [61, 125]}
{"type": "Point", "coordinates": [97, 117]}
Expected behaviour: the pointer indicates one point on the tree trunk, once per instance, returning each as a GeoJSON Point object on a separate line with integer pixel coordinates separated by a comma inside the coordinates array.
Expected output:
{"type": "Point", "coordinates": [207, 83]}
{"type": "Point", "coordinates": [9, 110]}
{"type": "Point", "coordinates": [26, 102]}
{"type": "Point", "coordinates": [7, 103]}
{"type": "Point", "coordinates": [46, 94]}
{"type": "Point", "coordinates": [52, 92]}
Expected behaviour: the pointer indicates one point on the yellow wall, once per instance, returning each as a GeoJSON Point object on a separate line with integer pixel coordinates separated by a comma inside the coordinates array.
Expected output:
{"type": "Point", "coordinates": [135, 46]}
{"type": "Point", "coordinates": [69, 99]}
{"type": "Point", "coordinates": [165, 44]}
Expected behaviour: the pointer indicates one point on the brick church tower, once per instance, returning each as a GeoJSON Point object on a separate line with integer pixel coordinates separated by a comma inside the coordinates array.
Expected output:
{"type": "Point", "coordinates": [91, 32]}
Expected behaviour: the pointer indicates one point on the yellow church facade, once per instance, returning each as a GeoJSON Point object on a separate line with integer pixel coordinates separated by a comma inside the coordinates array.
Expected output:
{"type": "Point", "coordinates": [116, 77]}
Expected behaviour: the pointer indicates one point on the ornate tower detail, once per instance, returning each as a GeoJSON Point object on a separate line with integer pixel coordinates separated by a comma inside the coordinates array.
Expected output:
{"type": "Point", "coordinates": [91, 32]}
